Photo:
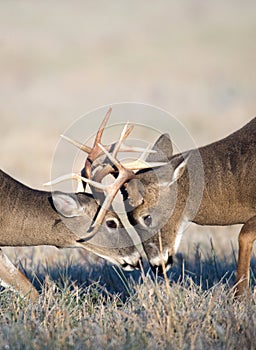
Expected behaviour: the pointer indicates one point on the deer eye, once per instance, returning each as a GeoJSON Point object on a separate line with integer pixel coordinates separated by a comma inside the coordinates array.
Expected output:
{"type": "Point", "coordinates": [112, 224]}
{"type": "Point", "coordinates": [147, 219]}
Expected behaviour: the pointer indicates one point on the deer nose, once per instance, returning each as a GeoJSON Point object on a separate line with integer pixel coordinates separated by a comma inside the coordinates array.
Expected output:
{"type": "Point", "coordinates": [130, 263]}
{"type": "Point", "coordinates": [158, 262]}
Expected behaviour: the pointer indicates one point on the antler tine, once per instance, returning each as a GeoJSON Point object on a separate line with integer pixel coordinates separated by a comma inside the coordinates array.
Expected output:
{"type": "Point", "coordinates": [128, 131]}
{"type": "Point", "coordinates": [74, 176]}
{"type": "Point", "coordinates": [93, 183]}
{"type": "Point", "coordinates": [79, 145]}
{"type": "Point", "coordinates": [120, 146]}
{"type": "Point", "coordinates": [102, 127]}
{"type": "Point", "coordinates": [96, 151]}
{"type": "Point", "coordinates": [127, 148]}
{"type": "Point", "coordinates": [123, 136]}
{"type": "Point", "coordinates": [111, 157]}
{"type": "Point", "coordinates": [102, 213]}
{"type": "Point", "coordinates": [141, 165]}
{"type": "Point", "coordinates": [88, 236]}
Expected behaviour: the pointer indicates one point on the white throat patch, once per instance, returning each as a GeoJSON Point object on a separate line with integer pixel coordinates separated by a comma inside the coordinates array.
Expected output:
{"type": "Point", "coordinates": [182, 227]}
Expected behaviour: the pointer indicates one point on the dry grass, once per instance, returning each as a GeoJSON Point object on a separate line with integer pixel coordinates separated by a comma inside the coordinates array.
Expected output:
{"type": "Point", "coordinates": [93, 306]}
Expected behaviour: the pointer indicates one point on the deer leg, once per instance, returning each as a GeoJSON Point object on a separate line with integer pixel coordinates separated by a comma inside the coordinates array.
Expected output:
{"type": "Point", "coordinates": [246, 238]}
{"type": "Point", "coordinates": [11, 277]}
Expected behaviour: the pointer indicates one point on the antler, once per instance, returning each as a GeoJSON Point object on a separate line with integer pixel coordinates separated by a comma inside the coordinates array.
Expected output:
{"type": "Point", "coordinates": [122, 171]}
{"type": "Point", "coordinates": [95, 152]}
{"type": "Point", "coordinates": [124, 175]}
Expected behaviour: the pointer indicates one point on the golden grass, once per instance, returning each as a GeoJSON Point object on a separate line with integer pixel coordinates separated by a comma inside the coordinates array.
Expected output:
{"type": "Point", "coordinates": [86, 304]}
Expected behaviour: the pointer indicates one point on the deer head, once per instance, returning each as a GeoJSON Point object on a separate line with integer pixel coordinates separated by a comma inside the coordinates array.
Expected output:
{"type": "Point", "coordinates": [158, 213]}
{"type": "Point", "coordinates": [112, 241]}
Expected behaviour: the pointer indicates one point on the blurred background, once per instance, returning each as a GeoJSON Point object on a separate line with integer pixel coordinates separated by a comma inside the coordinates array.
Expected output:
{"type": "Point", "coordinates": [59, 60]}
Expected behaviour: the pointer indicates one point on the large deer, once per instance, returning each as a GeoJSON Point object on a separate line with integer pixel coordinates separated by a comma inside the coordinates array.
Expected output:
{"type": "Point", "coordinates": [212, 185]}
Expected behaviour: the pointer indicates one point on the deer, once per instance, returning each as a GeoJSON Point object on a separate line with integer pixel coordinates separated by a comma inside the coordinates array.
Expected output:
{"type": "Point", "coordinates": [212, 185]}
{"type": "Point", "coordinates": [209, 185]}
{"type": "Point", "coordinates": [31, 217]}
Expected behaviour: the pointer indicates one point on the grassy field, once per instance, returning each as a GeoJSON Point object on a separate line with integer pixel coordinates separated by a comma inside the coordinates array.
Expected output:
{"type": "Point", "coordinates": [59, 60]}
{"type": "Point", "coordinates": [93, 306]}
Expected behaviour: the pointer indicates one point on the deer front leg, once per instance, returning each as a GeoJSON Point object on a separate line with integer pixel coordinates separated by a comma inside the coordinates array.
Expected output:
{"type": "Point", "coordinates": [11, 277]}
{"type": "Point", "coordinates": [246, 238]}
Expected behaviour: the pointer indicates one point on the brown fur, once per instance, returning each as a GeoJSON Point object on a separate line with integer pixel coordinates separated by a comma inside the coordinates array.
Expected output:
{"type": "Point", "coordinates": [28, 218]}
{"type": "Point", "coordinates": [221, 178]}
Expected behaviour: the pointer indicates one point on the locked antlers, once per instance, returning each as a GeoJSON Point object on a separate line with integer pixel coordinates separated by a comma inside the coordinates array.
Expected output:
{"type": "Point", "coordinates": [122, 171]}
{"type": "Point", "coordinates": [96, 151]}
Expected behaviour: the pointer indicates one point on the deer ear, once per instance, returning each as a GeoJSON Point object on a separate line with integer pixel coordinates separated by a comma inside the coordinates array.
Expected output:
{"type": "Point", "coordinates": [163, 146]}
{"type": "Point", "coordinates": [179, 169]}
{"type": "Point", "coordinates": [67, 204]}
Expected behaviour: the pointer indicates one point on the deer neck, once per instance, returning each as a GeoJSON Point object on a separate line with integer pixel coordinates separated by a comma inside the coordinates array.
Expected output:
{"type": "Point", "coordinates": [28, 218]}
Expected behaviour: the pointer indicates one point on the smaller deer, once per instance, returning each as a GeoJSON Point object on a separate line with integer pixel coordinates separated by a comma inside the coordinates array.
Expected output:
{"type": "Point", "coordinates": [29, 217]}
{"type": "Point", "coordinates": [212, 185]}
